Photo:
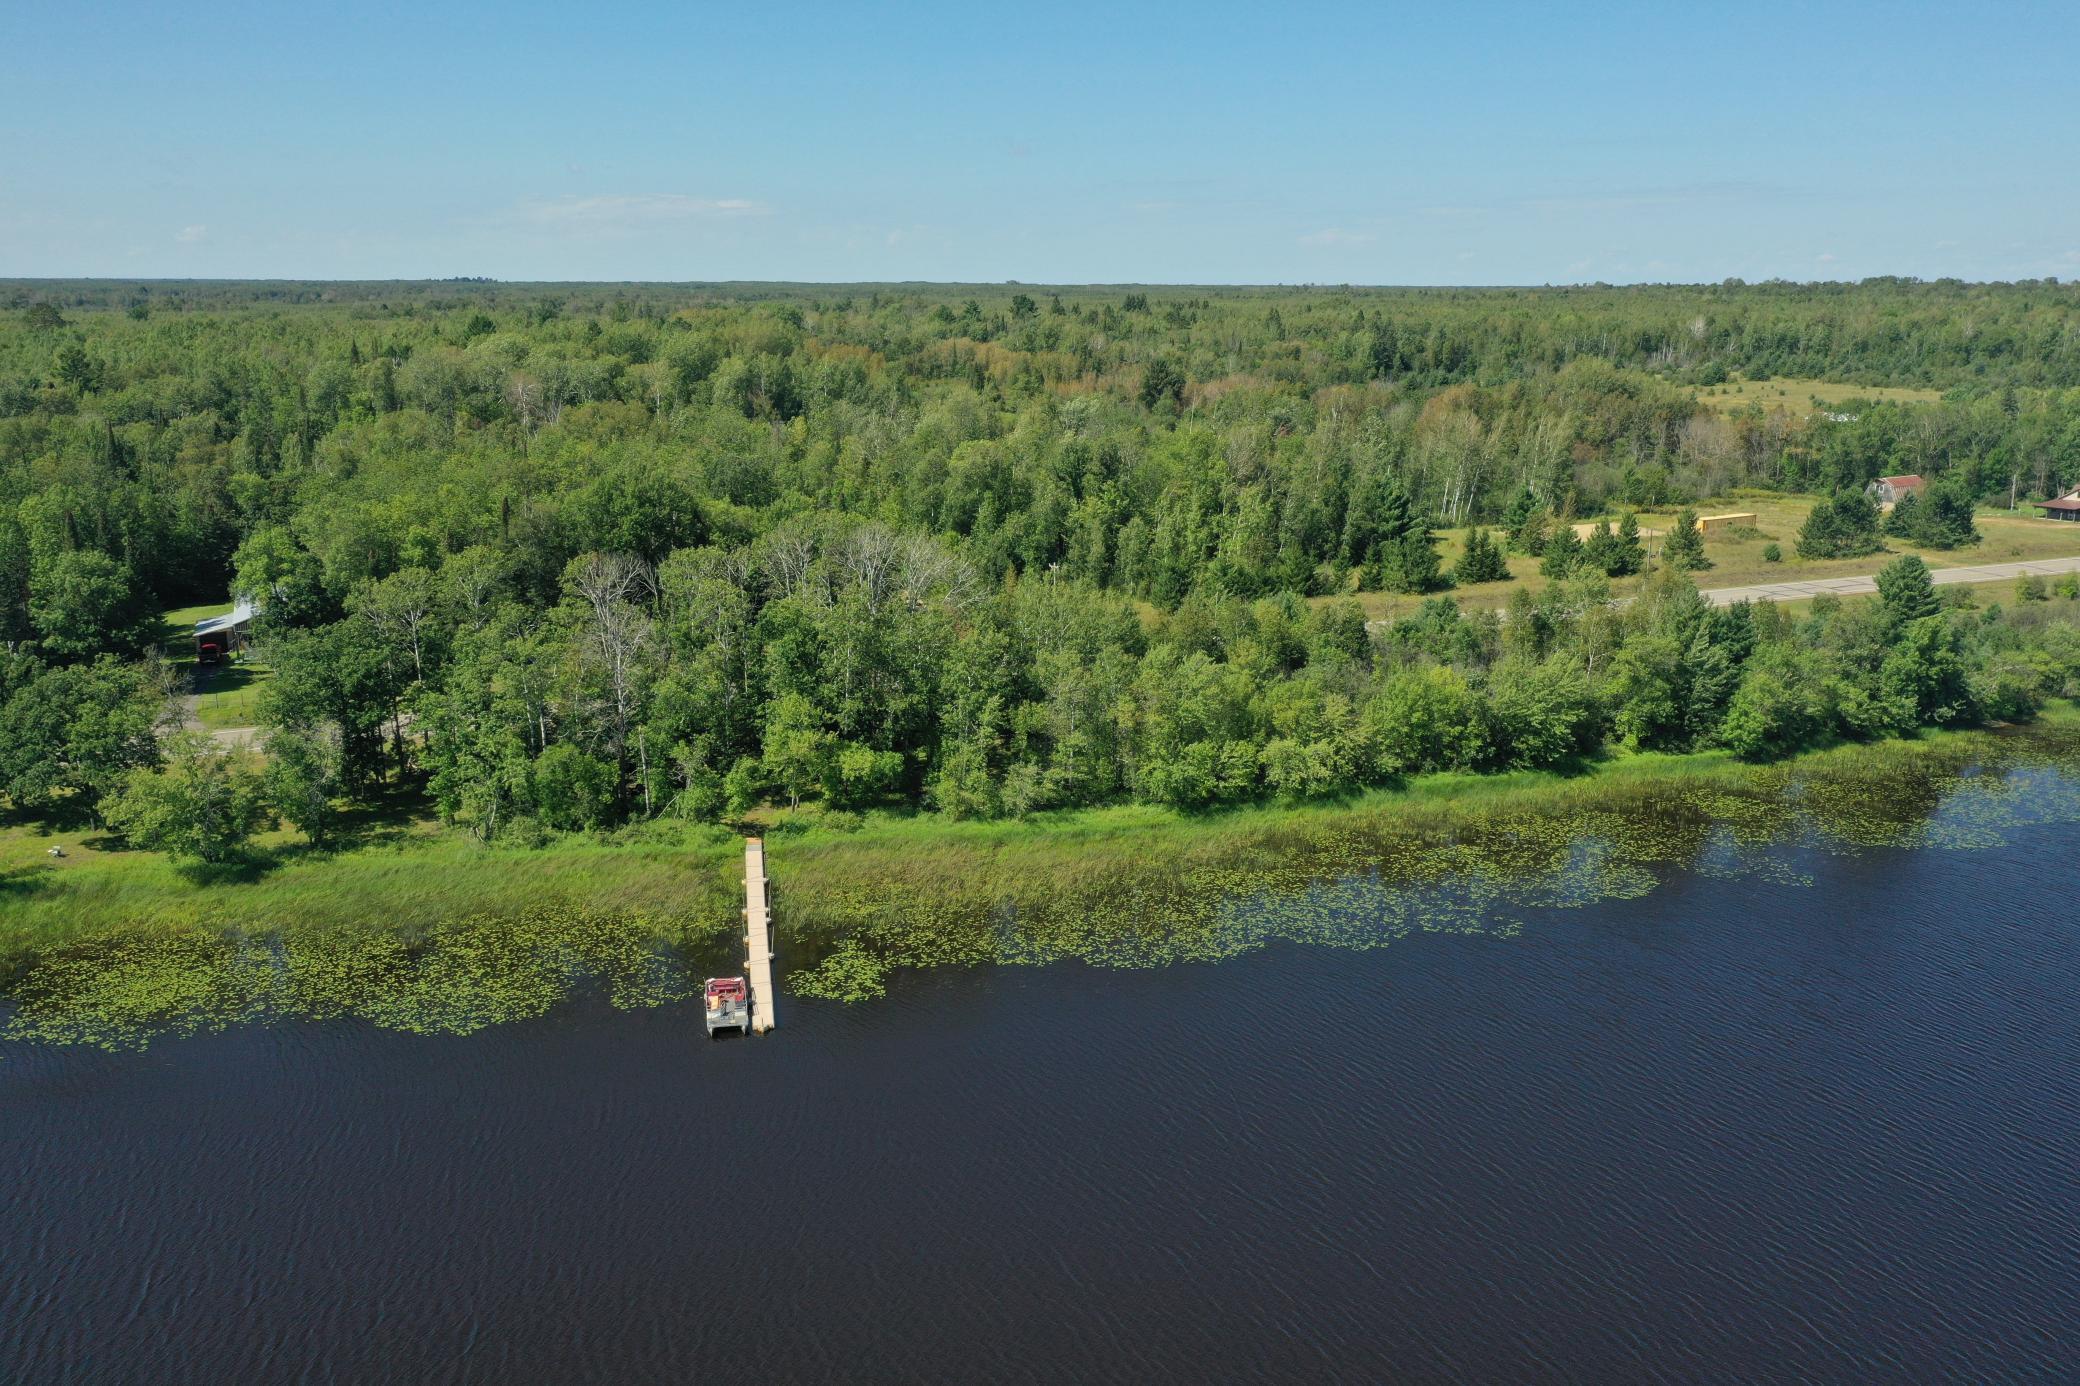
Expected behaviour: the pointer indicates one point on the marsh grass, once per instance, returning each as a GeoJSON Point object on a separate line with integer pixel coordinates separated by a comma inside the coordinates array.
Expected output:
{"type": "Point", "coordinates": [427, 932]}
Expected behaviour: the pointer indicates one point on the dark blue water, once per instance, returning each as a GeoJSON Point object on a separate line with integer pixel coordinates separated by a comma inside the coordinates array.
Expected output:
{"type": "Point", "coordinates": [1730, 1131]}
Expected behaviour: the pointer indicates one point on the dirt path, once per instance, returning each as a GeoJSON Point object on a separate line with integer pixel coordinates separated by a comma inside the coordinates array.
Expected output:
{"type": "Point", "coordinates": [230, 738]}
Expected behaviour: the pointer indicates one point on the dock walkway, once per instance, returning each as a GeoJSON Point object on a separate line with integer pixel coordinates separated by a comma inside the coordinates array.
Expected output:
{"type": "Point", "coordinates": [758, 935]}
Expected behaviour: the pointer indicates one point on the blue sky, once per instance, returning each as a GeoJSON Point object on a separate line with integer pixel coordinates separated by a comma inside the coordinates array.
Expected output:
{"type": "Point", "coordinates": [1361, 143]}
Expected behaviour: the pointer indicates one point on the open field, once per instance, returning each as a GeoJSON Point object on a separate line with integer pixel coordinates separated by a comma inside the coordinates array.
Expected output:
{"type": "Point", "coordinates": [1737, 559]}
{"type": "Point", "coordinates": [1796, 396]}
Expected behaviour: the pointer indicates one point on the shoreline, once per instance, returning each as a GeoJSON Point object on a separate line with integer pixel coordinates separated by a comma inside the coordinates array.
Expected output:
{"type": "Point", "coordinates": [1132, 886]}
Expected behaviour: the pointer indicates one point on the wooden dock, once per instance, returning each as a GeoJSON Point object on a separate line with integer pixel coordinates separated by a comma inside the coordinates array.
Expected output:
{"type": "Point", "coordinates": [758, 935]}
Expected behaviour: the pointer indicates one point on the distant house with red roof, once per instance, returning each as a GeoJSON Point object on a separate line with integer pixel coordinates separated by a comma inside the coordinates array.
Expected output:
{"type": "Point", "coordinates": [2066, 507]}
{"type": "Point", "coordinates": [1889, 491]}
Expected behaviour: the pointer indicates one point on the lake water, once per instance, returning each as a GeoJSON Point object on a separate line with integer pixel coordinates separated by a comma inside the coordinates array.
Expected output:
{"type": "Point", "coordinates": [1744, 1128]}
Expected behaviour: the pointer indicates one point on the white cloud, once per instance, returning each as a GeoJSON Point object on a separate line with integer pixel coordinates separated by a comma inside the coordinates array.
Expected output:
{"type": "Point", "coordinates": [191, 235]}
{"type": "Point", "coordinates": [634, 211]}
{"type": "Point", "coordinates": [1337, 235]}
{"type": "Point", "coordinates": [1827, 259]}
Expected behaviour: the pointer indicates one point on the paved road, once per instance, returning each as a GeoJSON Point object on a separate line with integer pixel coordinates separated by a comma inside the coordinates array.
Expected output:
{"type": "Point", "coordinates": [1850, 586]}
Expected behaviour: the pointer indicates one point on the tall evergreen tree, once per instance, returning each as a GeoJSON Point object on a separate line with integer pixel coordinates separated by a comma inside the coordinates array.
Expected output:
{"type": "Point", "coordinates": [1563, 552]}
{"type": "Point", "coordinates": [1481, 560]}
{"type": "Point", "coordinates": [1599, 549]}
{"type": "Point", "coordinates": [1906, 591]}
{"type": "Point", "coordinates": [1406, 557]}
{"type": "Point", "coordinates": [1628, 555]}
{"type": "Point", "coordinates": [1683, 549]}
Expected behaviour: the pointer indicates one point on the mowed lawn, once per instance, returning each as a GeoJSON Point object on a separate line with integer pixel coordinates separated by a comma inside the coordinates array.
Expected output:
{"type": "Point", "coordinates": [1737, 558]}
{"type": "Point", "coordinates": [1802, 397]}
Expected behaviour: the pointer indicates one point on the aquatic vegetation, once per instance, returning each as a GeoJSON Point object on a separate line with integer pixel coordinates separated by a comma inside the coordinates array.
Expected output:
{"type": "Point", "coordinates": [849, 973]}
{"type": "Point", "coordinates": [1362, 876]}
{"type": "Point", "coordinates": [1125, 889]}
{"type": "Point", "coordinates": [120, 991]}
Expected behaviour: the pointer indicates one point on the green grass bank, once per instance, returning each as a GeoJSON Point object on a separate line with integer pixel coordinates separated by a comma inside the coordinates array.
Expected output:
{"type": "Point", "coordinates": [419, 929]}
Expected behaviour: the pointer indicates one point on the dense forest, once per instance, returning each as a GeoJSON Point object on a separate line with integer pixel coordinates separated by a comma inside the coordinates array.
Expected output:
{"type": "Point", "coordinates": [560, 557]}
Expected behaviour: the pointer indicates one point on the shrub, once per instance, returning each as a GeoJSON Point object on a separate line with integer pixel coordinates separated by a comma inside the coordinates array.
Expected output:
{"type": "Point", "coordinates": [1845, 526]}
{"type": "Point", "coordinates": [1424, 719]}
{"type": "Point", "coordinates": [572, 790]}
{"type": "Point", "coordinates": [1784, 704]}
{"type": "Point", "coordinates": [859, 774]}
{"type": "Point", "coordinates": [1545, 713]}
{"type": "Point", "coordinates": [204, 804]}
{"type": "Point", "coordinates": [1772, 554]}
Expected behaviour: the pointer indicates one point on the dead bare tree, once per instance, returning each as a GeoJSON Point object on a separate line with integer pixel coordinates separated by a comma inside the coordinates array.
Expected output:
{"type": "Point", "coordinates": [617, 641]}
{"type": "Point", "coordinates": [787, 554]}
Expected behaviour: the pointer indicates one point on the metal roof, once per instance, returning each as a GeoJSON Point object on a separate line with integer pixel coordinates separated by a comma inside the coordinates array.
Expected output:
{"type": "Point", "coordinates": [239, 615]}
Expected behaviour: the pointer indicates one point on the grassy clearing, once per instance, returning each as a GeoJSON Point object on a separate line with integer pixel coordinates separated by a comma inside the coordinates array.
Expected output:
{"type": "Point", "coordinates": [220, 697]}
{"type": "Point", "coordinates": [225, 697]}
{"type": "Point", "coordinates": [1737, 559]}
{"type": "Point", "coordinates": [1800, 396]}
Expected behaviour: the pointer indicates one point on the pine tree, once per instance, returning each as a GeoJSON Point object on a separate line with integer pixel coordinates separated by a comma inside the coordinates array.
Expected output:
{"type": "Point", "coordinates": [1369, 521]}
{"type": "Point", "coordinates": [1530, 540]}
{"type": "Point", "coordinates": [1906, 592]}
{"type": "Point", "coordinates": [1421, 569]}
{"type": "Point", "coordinates": [1562, 552]}
{"type": "Point", "coordinates": [1628, 554]}
{"type": "Point", "coordinates": [1482, 560]}
{"type": "Point", "coordinates": [1844, 527]}
{"type": "Point", "coordinates": [1404, 557]}
{"type": "Point", "coordinates": [1526, 521]}
{"type": "Point", "coordinates": [1599, 549]}
{"type": "Point", "coordinates": [1683, 550]}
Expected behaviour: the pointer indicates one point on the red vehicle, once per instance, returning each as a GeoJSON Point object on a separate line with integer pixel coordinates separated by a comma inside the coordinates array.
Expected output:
{"type": "Point", "coordinates": [728, 1004]}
